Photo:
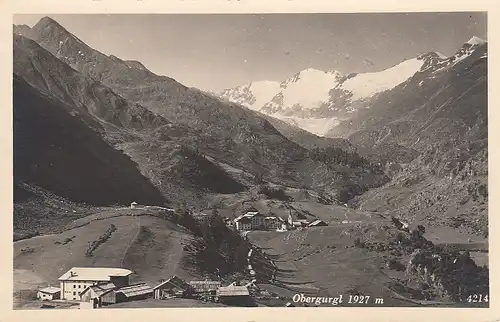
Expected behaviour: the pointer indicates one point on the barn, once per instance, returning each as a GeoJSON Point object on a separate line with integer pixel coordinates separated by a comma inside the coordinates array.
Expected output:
{"type": "Point", "coordinates": [139, 291]}
{"type": "Point", "coordinates": [235, 295]}
{"type": "Point", "coordinates": [100, 294]}
{"type": "Point", "coordinates": [174, 286]}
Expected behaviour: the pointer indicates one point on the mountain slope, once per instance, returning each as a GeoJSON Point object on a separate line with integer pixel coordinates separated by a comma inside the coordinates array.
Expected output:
{"type": "Point", "coordinates": [94, 103]}
{"type": "Point", "coordinates": [450, 92]}
{"type": "Point", "coordinates": [221, 131]}
{"type": "Point", "coordinates": [128, 127]}
{"type": "Point", "coordinates": [56, 151]}
{"type": "Point", "coordinates": [442, 113]}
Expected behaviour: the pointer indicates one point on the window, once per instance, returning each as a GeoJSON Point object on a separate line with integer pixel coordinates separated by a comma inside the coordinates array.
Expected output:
{"type": "Point", "coordinates": [79, 286]}
{"type": "Point", "coordinates": [74, 293]}
{"type": "Point", "coordinates": [74, 286]}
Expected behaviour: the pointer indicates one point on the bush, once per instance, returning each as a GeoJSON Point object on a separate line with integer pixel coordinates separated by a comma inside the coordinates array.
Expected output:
{"type": "Point", "coordinates": [102, 239]}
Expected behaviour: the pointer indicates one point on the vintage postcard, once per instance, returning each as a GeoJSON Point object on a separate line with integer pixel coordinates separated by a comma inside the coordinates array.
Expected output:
{"type": "Point", "coordinates": [230, 160]}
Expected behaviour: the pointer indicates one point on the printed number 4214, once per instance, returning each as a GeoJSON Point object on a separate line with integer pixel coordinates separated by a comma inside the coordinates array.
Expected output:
{"type": "Point", "coordinates": [477, 298]}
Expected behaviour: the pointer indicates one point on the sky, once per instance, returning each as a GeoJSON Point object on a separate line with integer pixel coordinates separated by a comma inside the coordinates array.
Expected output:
{"type": "Point", "coordinates": [217, 51]}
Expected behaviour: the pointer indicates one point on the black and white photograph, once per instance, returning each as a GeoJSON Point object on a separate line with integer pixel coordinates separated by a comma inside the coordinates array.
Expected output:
{"type": "Point", "coordinates": [250, 160]}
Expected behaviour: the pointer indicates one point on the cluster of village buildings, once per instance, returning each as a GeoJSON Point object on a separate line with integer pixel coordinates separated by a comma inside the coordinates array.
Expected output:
{"type": "Point", "coordinates": [95, 287]}
{"type": "Point", "coordinates": [254, 220]}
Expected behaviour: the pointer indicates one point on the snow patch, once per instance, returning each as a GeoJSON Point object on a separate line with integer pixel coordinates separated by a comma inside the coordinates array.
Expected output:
{"type": "Point", "coordinates": [311, 89]}
{"type": "Point", "coordinates": [476, 41]}
{"type": "Point", "coordinates": [440, 55]}
{"type": "Point", "coordinates": [318, 126]}
{"type": "Point", "coordinates": [369, 84]}
{"type": "Point", "coordinates": [253, 95]}
{"type": "Point", "coordinates": [263, 92]}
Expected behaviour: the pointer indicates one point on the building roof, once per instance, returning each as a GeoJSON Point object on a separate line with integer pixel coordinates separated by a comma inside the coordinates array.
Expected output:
{"type": "Point", "coordinates": [175, 281]}
{"type": "Point", "coordinates": [317, 222]}
{"type": "Point", "coordinates": [101, 289]}
{"type": "Point", "coordinates": [93, 273]}
{"type": "Point", "coordinates": [233, 291]}
{"type": "Point", "coordinates": [245, 220]}
{"type": "Point", "coordinates": [248, 215]}
{"type": "Point", "coordinates": [135, 289]}
{"type": "Point", "coordinates": [50, 290]}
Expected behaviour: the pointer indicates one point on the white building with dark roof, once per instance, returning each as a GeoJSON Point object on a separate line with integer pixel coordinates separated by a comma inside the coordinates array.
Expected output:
{"type": "Point", "coordinates": [74, 281]}
{"type": "Point", "coordinates": [253, 220]}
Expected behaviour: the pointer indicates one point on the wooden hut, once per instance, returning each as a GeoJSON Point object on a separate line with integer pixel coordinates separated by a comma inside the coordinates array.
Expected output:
{"type": "Point", "coordinates": [100, 294]}
{"type": "Point", "coordinates": [173, 287]}
{"type": "Point", "coordinates": [132, 292]}
{"type": "Point", "coordinates": [235, 295]}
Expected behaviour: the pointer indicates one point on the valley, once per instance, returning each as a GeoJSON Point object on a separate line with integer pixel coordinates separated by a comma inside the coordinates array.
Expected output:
{"type": "Point", "coordinates": [393, 163]}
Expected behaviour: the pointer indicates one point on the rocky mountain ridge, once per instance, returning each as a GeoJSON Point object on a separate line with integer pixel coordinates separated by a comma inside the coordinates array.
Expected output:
{"type": "Point", "coordinates": [332, 97]}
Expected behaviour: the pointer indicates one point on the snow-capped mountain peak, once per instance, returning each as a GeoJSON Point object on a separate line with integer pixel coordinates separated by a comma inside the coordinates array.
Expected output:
{"type": "Point", "coordinates": [316, 100]}
{"type": "Point", "coordinates": [308, 88]}
{"type": "Point", "coordinates": [253, 95]}
{"type": "Point", "coordinates": [368, 84]}
{"type": "Point", "coordinates": [476, 41]}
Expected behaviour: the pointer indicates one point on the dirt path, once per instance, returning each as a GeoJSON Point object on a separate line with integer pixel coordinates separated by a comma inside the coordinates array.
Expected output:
{"type": "Point", "coordinates": [286, 273]}
{"type": "Point", "coordinates": [132, 240]}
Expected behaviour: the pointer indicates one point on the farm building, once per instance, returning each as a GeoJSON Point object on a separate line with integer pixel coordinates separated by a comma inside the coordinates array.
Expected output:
{"type": "Point", "coordinates": [174, 286]}
{"type": "Point", "coordinates": [205, 286]}
{"type": "Point", "coordinates": [234, 295]}
{"type": "Point", "coordinates": [317, 223]}
{"type": "Point", "coordinates": [138, 291]}
{"type": "Point", "coordinates": [49, 293]}
{"type": "Point", "coordinates": [74, 281]}
{"type": "Point", "coordinates": [100, 294]}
